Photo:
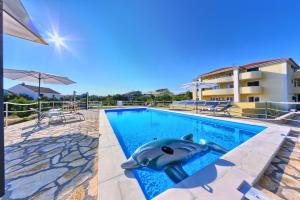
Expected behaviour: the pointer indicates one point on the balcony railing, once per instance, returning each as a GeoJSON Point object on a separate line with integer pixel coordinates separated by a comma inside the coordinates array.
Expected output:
{"type": "Point", "coordinates": [223, 79]}
{"type": "Point", "coordinates": [297, 90]}
{"type": "Point", "coordinates": [296, 74]}
{"type": "Point", "coordinates": [251, 90]}
{"type": "Point", "coordinates": [226, 91]}
{"type": "Point", "coordinates": [250, 75]}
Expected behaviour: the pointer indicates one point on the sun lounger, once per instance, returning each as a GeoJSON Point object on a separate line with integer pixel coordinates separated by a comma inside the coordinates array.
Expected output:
{"type": "Point", "coordinates": [224, 109]}
{"type": "Point", "coordinates": [210, 106]}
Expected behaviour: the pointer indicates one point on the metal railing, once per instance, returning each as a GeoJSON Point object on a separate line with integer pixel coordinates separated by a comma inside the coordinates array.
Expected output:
{"type": "Point", "coordinates": [29, 110]}
{"type": "Point", "coordinates": [11, 108]}
{"type": "Point", "coordinates": [280, 111]}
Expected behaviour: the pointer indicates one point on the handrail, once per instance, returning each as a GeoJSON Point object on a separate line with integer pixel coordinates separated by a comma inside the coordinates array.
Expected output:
{"type": "Point", "coordinates": [266, 110]}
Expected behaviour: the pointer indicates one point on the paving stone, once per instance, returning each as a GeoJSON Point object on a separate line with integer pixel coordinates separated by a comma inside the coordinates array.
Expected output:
{"type": "Point", "coordinates": [26, 186]}
{"type": "Point", "coordinates": [91, 152]}
{"type": "Point", "coordinates": [50, 147]}
{"type": "Point", "coordinates": [30, 178]}
{"type": "Point", "coordinates": [68, 175]}
{"type": "Point", "coordinates": [72, 156]}
{"type": "Point", "coordinates": [78, 180]}
{"type": "Point", "coordinates": [268, 183]}
{"type": "Point", "coordinates": [12, 163]}
{"type": "Point", "coordinates": [12, 169]}
{"type": "Point", "coordinates": [35, 159]}
{"type": "Point", "coordinates": [78, 194]}
{"type": "Point", "coordinates": [84, 149]}
{"type": "Point", "coordinates": [30, 169]}
{"type": "Point", "coordinates": [55, 159]}
{"type": "Point", "coordinates": [64, 153]}
{"type": "Point", "coordinates": [290, 170]}
{"type": "Point", "coordinates": [78, 162]}
{"type": "Point", "coordinates": [295, 163]}
{"type": "Point", "coordinates": [47, 194]}
{"type": "Point", "coordinates": [86, 142]}
{"type": "Point", "coordinates": [290, 194]}
{"type": "Point", "coordinates": [14, 155]}
{"type": "Point", "coordinates": [290, 181]}
{"type": "Point", "coordinates": [54, 152]}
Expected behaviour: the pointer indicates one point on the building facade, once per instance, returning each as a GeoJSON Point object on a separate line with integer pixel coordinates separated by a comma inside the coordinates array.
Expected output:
{"type": "Point", "coordinates": [32, 91]}
{"type": "Point", "coordinates": [275, 80]}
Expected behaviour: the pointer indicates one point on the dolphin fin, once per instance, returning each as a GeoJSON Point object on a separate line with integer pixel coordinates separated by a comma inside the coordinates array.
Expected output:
{"type": "Point", "coordinates": [188, 137]}
{"type": "Point", "coordinates": [176, 173]}
{"type": "Point", "coordinates": [216, 147]}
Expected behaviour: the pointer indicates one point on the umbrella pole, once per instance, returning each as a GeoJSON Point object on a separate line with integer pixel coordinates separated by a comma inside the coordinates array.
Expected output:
{"type": "Point", "coordinates": [39, 101]}
{"type": "Point", "coordinates": [197, 97]}
{"type": "Point", "coordinates": [2, 173]}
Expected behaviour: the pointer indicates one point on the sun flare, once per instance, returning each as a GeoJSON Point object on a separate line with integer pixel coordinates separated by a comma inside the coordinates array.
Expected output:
{"type": "Point", "coordinates": [57, 40]}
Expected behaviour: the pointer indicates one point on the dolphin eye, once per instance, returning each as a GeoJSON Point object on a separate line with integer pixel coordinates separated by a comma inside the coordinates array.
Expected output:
{"type": "Point", "coordinates": [167, 150]}
{"type": "Point", "coordinates": [145, 162]}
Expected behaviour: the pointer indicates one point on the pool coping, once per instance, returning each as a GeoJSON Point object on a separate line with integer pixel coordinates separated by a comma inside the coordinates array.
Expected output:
{"type": "Point", "coordinates": [245, 163]}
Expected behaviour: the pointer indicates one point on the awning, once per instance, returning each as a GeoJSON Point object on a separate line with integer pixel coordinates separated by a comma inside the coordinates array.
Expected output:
{"type": "Point", "coordinates": [16, 22]}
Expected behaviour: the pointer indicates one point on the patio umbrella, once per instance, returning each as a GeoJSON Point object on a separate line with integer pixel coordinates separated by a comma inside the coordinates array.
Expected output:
{"type": "Point", "coordinates": [36, 77]}
{"type": "Point", "coordinates": [16, 22]}
{"type": "Point", "coordinates": [198, 85]}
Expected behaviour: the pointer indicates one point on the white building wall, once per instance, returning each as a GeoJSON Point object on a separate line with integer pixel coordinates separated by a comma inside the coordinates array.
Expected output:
{"type": "Point", "coordinates": [20, 89]}
{"type": "Point", "coordinates": [50, 95]}
{"type": "Point", "coordinates": [236, 86]}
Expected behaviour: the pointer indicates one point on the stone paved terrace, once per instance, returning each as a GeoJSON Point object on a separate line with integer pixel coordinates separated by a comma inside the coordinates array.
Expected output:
{"type": "Point", "coordinates": [56, 162]}
{"type": "Point", "coordinates": [282, 178]}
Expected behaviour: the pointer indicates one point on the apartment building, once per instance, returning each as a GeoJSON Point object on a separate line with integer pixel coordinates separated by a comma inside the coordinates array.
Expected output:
{"type": "Point", "coordinates": [270, 80]}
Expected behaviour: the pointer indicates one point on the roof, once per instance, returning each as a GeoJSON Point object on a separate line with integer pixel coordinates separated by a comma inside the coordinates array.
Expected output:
{"type": "Point", "coordinates": [249, 65]}
{"type": "Point", "coordinates": [43, 89]}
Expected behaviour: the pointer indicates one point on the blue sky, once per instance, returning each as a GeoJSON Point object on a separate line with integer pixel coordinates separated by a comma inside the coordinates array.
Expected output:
{"type": "Point", "coordinates": [115, 46]}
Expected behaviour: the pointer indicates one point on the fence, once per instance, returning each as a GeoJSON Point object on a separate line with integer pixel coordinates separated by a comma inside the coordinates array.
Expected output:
{"type": "Point", "coordinates": [26, 110]}
{"type": "Point", "coordinates": [284, 111]}
{"type": "Point", "coordinates": [29, 111]}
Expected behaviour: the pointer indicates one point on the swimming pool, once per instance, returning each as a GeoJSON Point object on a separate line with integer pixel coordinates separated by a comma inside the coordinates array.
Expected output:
{"type": "Point", "coordinates": [135, 127]}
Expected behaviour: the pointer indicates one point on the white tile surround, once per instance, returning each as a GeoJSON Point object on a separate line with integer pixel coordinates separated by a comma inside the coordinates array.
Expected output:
{"type": "Point", "coordinates": [219, 180]}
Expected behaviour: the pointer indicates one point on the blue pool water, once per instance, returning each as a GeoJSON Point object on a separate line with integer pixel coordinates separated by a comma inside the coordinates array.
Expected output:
{"type": "Point", "coordinates": [135, 127]}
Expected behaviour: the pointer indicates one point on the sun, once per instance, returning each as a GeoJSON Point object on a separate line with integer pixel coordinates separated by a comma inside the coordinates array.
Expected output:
{"type": "Point", "coordinates": [57, 40]}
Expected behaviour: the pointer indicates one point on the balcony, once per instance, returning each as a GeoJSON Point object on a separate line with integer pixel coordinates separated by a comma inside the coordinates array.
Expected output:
{"type": "Point", "coordinates": [297, 90]}
{"type": "Point", "coordinates": [224, 79]}
{"type": "Point", "coordinates": [296, 75]}
{"type": "Point", "coordinates": [226, 91]}
{"type": "Point", "coordinates": [251, 90]}
{"type": "Point", "coordinates": [250, 75]}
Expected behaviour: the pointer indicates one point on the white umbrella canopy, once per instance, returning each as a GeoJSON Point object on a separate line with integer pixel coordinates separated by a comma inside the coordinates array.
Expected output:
{"type": "Point", "coordinates": [16, 22]}
{"type": "Point", "coordinates": [198, 84]}
{"type": "Point", "coordinates": [34, 76]}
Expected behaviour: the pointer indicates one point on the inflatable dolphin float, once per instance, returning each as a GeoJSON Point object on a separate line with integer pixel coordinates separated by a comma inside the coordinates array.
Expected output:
{"type": "Point", "coordinates": [169, 154]}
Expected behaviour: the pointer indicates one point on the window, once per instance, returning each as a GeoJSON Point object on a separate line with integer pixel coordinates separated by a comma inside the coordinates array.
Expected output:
{"type": "Point", "coordinates": [253, 83]}
{"type": "Point", "coordinates": [229, 98]}
{"type": "Point", "coordinates": [229, 85]}
{"type": "Point", "coordinates": [297, 83]}
{"type": "Point", "coordinates": [253, 99]}
{"type": "Point", "coordinates": [253, 69]}
{"type": "Point", "coordinates": [216, 87]}
{"type": "Point", "coordinates": [215, 98]}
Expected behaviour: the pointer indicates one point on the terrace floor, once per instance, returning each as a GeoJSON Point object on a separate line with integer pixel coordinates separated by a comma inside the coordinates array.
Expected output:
{"type": "Point", "coordinates": [60, 162]}
{"type": "Point", "coordinates": [282, 178]}
{"type": "Point", "coordinates": [56, 162]}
